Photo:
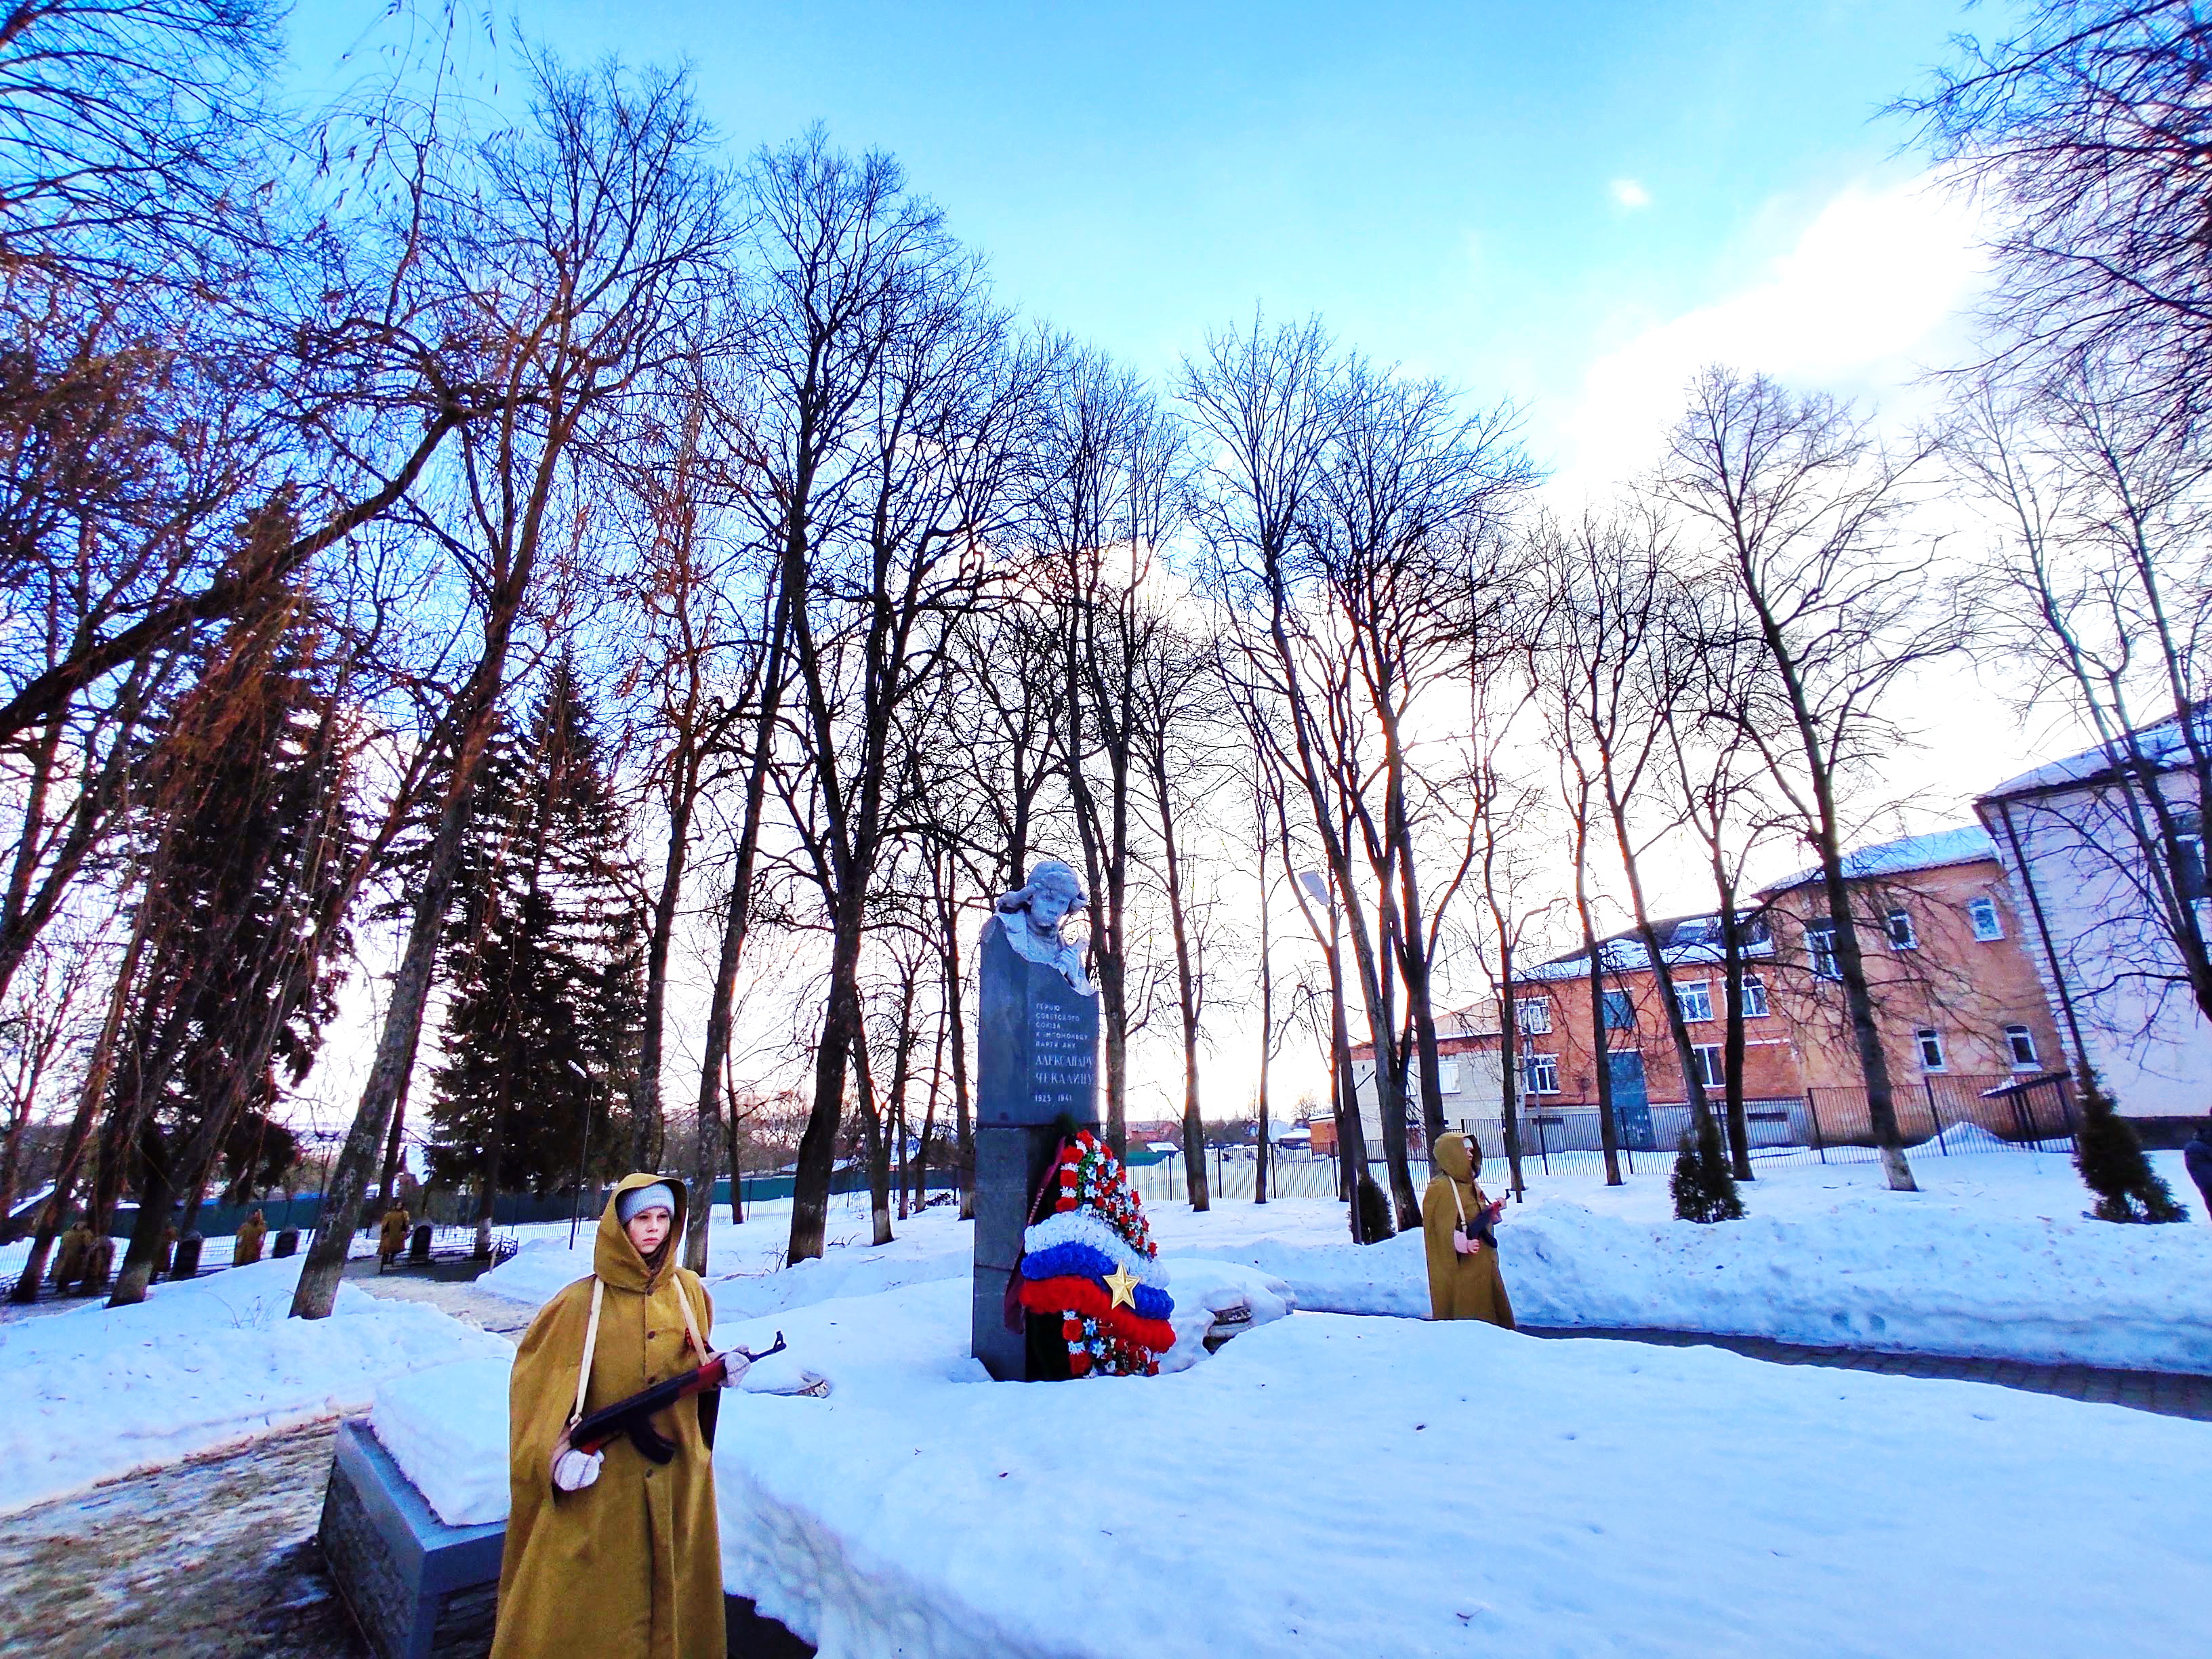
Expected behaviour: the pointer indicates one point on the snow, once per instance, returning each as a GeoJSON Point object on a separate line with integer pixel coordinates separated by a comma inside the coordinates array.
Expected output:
{"type": "Point", "coordinates": [1965, 843]}
{"type": "Point", "coordinates": [447, 1429]}
{"type": "Point", "coordinates": [1204, 1291]}
{"type": "Point", "coordinates": [1336, 1485]}
{"type": "Point", "coordinates": [1993, 1258]}
{"type": "Point", "coordinates": [93, 1393]}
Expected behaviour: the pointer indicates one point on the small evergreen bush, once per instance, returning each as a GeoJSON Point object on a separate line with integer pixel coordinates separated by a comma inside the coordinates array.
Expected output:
{"type": "Point", "coordinates": [2110, 1156]}
{"type": "Point", "coordinates": [1703, 1184]}
{"type": "Point", "coordinates": [1375, 1222]}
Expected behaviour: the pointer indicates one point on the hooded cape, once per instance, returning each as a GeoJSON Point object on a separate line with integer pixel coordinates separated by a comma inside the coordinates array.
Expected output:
{"type": "Point", "coordinates": [1460, 1286]}
{"type": "Point", "coordinates": [631, 1566]}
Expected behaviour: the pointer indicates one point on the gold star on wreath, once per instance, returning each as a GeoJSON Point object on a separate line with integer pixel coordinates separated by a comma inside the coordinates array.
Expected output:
{"type": "Point", "coordinates": [1123, 1285]}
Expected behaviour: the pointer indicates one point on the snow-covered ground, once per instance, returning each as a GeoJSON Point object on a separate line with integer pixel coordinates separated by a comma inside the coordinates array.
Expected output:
{"type": "Point", "coordinates": [1993, 1257]}
{"type": "Point", "coordinates": [1383, 1487]}
{"type": "Point", "coordinates": [92, 1394]}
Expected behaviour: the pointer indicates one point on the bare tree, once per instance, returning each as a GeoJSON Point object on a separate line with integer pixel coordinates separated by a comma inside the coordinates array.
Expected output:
{"type": "Point", "coordinates": [2098, 601]}
{"type": "Point", "coordinates": [939, 419]}
{"type": "Point", "coordinates": [569, 261]}
{"type": "Point", "coordinates": [2087, 130]}
{"type": "Point", "coordinates": [1798, 505]}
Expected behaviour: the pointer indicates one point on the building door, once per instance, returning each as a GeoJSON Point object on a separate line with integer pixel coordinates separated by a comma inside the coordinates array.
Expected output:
{"type": "Point", "coordinates": [1632, 1101]}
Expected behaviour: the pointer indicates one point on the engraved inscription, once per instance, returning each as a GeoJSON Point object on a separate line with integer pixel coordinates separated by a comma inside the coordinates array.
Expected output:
{"type": "Point", "coordinates": [1063, 1053]}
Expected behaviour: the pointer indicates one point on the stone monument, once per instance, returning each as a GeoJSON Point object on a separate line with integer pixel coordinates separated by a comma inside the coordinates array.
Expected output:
{"type": "Point", "coordinates": [1037, 1035]}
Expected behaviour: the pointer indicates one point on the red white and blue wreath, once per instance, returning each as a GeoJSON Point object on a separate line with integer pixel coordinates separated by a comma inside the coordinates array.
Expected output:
{"type": "Point", "coordinates": [1092, 1262]}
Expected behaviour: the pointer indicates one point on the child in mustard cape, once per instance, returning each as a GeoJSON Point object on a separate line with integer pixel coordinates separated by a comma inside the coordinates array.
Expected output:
{"type": "Point", "coordinates": [610, 1553]}
{"type": "Point", "coordinates": [1459, 1222]}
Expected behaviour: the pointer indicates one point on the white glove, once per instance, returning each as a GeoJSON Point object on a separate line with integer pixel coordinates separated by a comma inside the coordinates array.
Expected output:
{"type": "Point", "coordinates": [734, 1367]}
{"type": "Point", "coordinates": [573, 1470]}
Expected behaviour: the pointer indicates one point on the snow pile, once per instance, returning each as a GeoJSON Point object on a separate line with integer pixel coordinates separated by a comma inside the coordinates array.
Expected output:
{"type": "Point", "coordinates": [539, 1270]}
{"type": "Point", "coordinates": [1238, 1298]}
{"type": "Point", "coordinates": [1424, 1488]}
{"type": "Point", "coordinates": [92, 1393]}
{"type": "Point", "coordinates": [1993, 1258]}
{"type": "Point", "coordinates": [447, 1429]}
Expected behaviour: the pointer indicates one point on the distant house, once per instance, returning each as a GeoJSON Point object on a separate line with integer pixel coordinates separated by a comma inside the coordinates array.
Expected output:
{"type": "Point", "coordinates": [2107, 850]}
{"type": "Point", "coordinates": [1470, 1073]}
{"type": "Point", "coordinates": [1960, 1013]}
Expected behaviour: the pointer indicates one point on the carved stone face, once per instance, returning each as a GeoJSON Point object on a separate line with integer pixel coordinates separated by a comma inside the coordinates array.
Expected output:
{"type": "Point", "coordinates": [1047, 904]}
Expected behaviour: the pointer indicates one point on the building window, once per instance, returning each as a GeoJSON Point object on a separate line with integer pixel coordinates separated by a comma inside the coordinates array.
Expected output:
{"type": "Point", "coordinates": [2022, 1042]}
{"type": "Point", "coordinates": [1931, 1048]}
{"type": "Point", "coordinates": [1448, 1076]}
{"type": "Point", "coordinates": [1820, 946]}
{"type": "Point", "coordinates": [1988, 924]}
{"type": "Point", "coordinates": [2190, 876]}
{"type": "Point", "coordinates": [1534, 1015]}
{"type": "Point", "coordinates": [1543, 1072]}
{"type": "Point", "coordinates": [1695, 1000]}
{"type": "Point", "coordinates": [1708, 1057]}
{"type": "Point", "coordinates": [1901, 936]}
{"type": "Point", "coordinates": [1754, 997]}
{"type": "Point", "coordinates": [1620, 1011]}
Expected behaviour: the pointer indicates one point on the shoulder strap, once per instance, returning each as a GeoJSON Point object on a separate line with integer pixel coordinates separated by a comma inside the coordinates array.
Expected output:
{"type": "Point", "coordinates": [591, 1342]}
{"type": "Point", "coordinates": [1458, 1204]}
{"type": "Point", "coordinates": [691, 1320]}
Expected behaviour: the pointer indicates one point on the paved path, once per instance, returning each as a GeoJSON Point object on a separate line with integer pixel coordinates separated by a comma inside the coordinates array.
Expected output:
{"type": "Point", "coordinates": [211, 1558]}
{"type": "Point", "coordinates": [2168, 1394]}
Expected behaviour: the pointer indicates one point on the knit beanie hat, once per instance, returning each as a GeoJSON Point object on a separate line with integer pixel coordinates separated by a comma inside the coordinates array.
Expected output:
{"type": "Point", "coordinates": [657, 1196]}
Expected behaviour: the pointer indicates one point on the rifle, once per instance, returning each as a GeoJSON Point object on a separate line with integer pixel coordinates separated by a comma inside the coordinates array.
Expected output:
{"type": "Point", "coordinates": [633, 1416]}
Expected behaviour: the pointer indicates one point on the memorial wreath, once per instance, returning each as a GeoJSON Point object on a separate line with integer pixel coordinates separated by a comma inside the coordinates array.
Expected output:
{"type": "Point", "coordinates": [1091, 1263]}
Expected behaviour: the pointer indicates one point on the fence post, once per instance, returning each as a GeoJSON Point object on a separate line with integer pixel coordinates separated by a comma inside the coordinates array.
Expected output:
{"type": "Point", "coordinates": [1543, 1151]}
{"type": "Point", "coordinates": [1812, 1111]}
{"type": "Point", "coordinates": [1936, 1117]}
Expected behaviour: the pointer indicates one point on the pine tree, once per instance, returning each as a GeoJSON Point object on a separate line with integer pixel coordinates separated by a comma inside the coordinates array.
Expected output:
{"type": "Point", "coordinates": [247, 871]}
{"type": "Point", "coordinates": [1703, 1184]}
{"type": "Point", "coordinates": [541, 954]}
{"type": "Point", "coordinates": [2110, 1157]}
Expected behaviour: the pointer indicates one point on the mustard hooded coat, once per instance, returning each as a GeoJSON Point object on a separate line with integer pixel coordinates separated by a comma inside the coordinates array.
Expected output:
{"type": "Point", "coordinates": [631, 1566]}
{"type": "Point", "coordinates": [1460, 1286]}
{"type": "Point", "coordinates": [246, 1246]}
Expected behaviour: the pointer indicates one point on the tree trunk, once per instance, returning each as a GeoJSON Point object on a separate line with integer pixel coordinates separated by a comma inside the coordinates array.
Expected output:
{"type": "Point", "coordinates": [1608, 1134]}
{"type": "Point", "coordinates": [388, 1186]}
{"type": "Point", "coordinates": [1509, 1071]}
{"type": "Point", "coordinates": [98, 1075]}
{"type": "Point", "coordinates": [817, 1144]}
{"type": "Point", "coordinates": [875, 1146]}
{"type": "Point", "coordinates": [347, 1194]}
{"type": "Point", "coordinates": [645, 1088]}
{"type": "Point", "coordinates": [1739, 1126]}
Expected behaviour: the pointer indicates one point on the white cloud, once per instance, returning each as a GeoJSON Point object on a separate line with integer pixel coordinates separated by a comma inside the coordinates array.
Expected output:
{"type": "Point", "coordinates": [1629, 193]}
{"type": "Point", "coordinates": [1859, 306]}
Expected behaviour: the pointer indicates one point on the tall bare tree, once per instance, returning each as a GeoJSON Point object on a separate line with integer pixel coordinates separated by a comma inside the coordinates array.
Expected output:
{"type": "Point", "coordinates": [1793, 501]}
{"type": "Point", "coordinates": [570, 257]}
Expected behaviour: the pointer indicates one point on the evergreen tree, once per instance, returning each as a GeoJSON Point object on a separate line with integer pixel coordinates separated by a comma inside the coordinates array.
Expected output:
{"type": "Point", "coordinates": [1703, 1184]}
{"type": "Point", "coordinates": [542, 957]}
{"type": "Point", "coordinates": [2110, 1157]}
{"type": "Point", "coordinates": [250, 839]}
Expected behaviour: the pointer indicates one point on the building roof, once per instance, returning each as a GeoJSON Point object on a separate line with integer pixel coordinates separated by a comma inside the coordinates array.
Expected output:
{"type": "Point", "coordinates": [1685, 941]}
{"type": "Point", "coordinates": [2163, 745]}
{"type": "Point", "coordinates": [1967, 843]}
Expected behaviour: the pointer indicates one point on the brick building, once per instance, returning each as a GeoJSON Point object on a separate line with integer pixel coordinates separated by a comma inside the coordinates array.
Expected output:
{"type": "Point", "coordinates": [1960, 1010]}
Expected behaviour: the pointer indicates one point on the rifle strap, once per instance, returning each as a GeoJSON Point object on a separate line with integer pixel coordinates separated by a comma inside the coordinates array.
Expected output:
{"type": "Point", "coordinates": [591, 1342]}
{"type": "Point", "coordinates": [691, 1320]}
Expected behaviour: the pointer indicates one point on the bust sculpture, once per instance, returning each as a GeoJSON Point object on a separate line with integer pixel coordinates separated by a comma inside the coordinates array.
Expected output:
{"type": "Point", "coordinates": [1031, 916]}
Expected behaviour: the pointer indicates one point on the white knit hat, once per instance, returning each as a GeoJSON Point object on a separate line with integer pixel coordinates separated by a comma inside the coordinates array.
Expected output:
{"type": "Point", "coordinates": [657, 1196]}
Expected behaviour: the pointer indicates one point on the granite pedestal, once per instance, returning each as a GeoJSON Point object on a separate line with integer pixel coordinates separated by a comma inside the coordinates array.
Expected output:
{"type": "Point", "coordinates": [418, 1589]}
{"type": "Point", "coordinates": [1037, 1076]}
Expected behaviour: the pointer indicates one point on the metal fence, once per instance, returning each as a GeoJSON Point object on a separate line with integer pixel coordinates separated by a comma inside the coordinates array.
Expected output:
{"type": "Point", "coordinates": [1938, 1116]}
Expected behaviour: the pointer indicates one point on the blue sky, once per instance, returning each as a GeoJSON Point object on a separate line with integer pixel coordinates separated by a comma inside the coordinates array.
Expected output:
{"type": "Point", "coordinates": [1439, 182]}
